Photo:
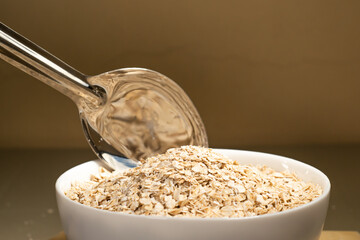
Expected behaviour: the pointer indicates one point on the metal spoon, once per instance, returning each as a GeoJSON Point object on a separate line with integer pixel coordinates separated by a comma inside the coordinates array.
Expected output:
{"type": "Point", "coordinates": [127, 114]}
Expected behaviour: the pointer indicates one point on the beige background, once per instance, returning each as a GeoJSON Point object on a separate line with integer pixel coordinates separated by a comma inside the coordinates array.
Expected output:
{"type": "Point", "coordinates": [260, 72]}
{"type": "Point", "coordinates": [265, 75]}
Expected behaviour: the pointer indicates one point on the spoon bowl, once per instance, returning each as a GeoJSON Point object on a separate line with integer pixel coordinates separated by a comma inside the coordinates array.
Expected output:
{"type": "Point", "coordinates": [144, 113]}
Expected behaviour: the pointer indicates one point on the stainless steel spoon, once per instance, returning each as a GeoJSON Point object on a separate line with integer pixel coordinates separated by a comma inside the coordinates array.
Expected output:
{"type": "Point", "coordinates": [126, 114]}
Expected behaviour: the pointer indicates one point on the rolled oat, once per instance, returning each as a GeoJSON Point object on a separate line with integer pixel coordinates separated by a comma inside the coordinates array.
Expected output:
{"type": "Point", "coordinates": [194, 182]}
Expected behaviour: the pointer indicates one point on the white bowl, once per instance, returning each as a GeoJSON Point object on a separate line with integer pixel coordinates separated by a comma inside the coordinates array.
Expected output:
{"type": "Point", "coordinates": [81, 222]}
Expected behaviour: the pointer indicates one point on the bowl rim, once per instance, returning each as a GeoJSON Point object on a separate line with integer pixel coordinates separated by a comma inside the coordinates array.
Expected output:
{"type": "Point", "coordinates": [325, 194]}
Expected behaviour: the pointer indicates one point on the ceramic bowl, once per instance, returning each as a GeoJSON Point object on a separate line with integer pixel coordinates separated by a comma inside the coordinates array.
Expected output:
{"type": "Point", "coordinates": [81, 222]}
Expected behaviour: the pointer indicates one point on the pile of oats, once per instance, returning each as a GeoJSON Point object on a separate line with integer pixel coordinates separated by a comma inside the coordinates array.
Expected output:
{"type": "Point", "coordinates": [194, 182]}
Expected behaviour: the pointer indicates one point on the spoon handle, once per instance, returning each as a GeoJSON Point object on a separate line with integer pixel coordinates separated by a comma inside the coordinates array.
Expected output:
{"type": "Point", "coordinates": [35, 61]}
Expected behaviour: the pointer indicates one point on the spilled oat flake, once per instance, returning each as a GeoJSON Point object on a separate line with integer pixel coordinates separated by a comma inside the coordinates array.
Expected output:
{"type": "Point", "coordinates": [194, 182]}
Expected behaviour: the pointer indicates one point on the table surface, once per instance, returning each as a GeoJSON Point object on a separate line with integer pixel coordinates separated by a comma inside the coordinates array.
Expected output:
{"type": "Point", "coordinates": [27, 195]}
{"type": "Point", "coordinates": [326, 235]}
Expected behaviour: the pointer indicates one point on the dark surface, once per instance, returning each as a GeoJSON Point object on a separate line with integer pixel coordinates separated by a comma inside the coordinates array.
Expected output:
{"type": "Point", "coordinates": [27, 191]}
{"type": "Point", "coordinates": [27, 195]}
